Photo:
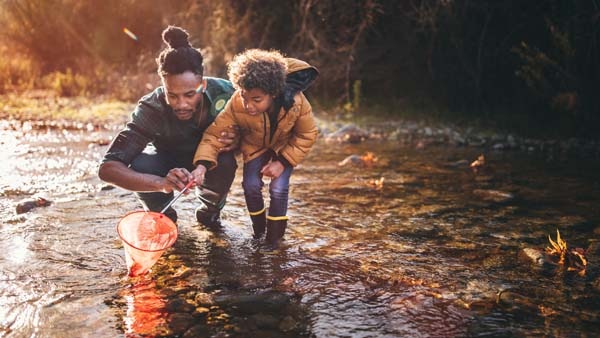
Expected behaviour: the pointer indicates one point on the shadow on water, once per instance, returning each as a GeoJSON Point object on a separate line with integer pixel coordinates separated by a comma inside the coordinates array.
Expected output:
{"type": "Point", "coordinates": [415, 245]}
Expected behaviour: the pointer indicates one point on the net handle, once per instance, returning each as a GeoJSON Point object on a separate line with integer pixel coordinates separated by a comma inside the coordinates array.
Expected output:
{"type": "Point", "coordinates": [177, 196]}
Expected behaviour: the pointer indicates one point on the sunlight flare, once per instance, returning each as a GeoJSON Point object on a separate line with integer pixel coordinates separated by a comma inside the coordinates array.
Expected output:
{"type": "Point", "coordinates": [130, 34]}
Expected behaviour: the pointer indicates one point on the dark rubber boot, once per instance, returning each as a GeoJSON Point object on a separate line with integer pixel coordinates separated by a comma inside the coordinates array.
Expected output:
{"type": "Point", "coordinates": [275, 232]}
{"type": "Point", "coordinates": [210, 220]}
{"type": "Point", "coordinates": [259, 223]}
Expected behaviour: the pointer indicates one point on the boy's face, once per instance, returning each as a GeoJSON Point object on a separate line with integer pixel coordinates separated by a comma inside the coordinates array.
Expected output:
{"type": "Point", "coordinates": [256, 101]}
{"type": "Point", "coordinates": [182, 94]}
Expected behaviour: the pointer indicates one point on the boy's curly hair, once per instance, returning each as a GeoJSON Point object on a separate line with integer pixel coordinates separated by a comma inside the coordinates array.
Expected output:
{"type": "Point", "coordinates": [258, 68]}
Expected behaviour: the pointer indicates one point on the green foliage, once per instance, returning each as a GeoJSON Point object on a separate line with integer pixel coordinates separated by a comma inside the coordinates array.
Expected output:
{"type": "Point", "coordinates": [549, 77]}
{"type": "Point", "coordinates": [67, 83]}
{"type": "Point", "coordinates": [328, 34]}
{"type": "Point", "coordinates": [82, 35]}
{"type": "Point", "coordinates": [46, 106]}
{"type": "Point", "coordinates": [356, 94]}
{"type": "Point", "coordinates": [354, 105]}
{"type": "Point", "coordinates": [479, 58]}
{"type": "Point", "coordinates": [16, 73]}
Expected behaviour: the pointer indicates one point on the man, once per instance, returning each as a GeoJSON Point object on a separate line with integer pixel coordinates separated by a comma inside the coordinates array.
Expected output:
{"type": "Point", "coordinates": [152, 155]}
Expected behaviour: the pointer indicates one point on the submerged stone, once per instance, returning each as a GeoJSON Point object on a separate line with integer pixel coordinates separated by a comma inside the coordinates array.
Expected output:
{"type": "Point", "coordinates": [197, 331]}
{"type": "Point", "coordinates": [180, 322]}
{"type": "Point", "coordinates": [288, 324]}
{"type": "Point", "coordinates": [496, 196]}
{"type": "Point", "coordinates": [201, 311]}
{"type": "Point", "coordinates": [268, 301]}
{"type": "Point", "coordinates": [205, 299]}
{"type": "Point", "coordinates": [179, 305]}
{"type": "Point", "coordinates": [516, 302]}
{"type": "Point", "coordinates": [530, 255]}
{"type": "Point", "coordinates": [265, 321]}
{"type": "Point", "coordinates": [348, 134]}
{"type": "Point", "coordinates": [27, 206]}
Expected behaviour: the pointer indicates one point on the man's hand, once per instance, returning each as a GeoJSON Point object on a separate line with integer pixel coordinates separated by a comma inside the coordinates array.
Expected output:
{"type": "Point", "coordinates": [230, 138]}
{"type": "Point", "coordinates": [176, 179]}
{"type": "Point", "coordinates": [272, 169]}
{"type": "Point", "coordinates": [198, 174]}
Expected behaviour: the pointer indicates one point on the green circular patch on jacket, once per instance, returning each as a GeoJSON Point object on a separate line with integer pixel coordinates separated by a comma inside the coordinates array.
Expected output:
{"type": "Point", "coordinates": [220, 104]}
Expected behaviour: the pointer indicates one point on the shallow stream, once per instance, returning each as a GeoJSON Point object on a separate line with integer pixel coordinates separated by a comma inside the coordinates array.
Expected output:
{"type": "Point", "coordinates": [430, 250]}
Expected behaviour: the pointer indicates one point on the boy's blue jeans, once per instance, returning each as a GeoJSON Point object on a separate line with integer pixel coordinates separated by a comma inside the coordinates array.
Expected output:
{"type": "Point", "coordinates": [278, 187]}
{"type": "Point", "coordinates": [212, 194]}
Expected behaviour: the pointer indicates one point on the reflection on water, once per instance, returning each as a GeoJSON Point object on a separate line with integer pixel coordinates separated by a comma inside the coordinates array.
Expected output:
{"type": "Point", "coordinates": [145, 309]}
{"type": "Point", "coordinates": [415, 245]}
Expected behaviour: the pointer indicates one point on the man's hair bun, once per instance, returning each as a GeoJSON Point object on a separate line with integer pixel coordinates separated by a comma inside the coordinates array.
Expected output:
{"type": "Point", "coordinates": [176, 37]}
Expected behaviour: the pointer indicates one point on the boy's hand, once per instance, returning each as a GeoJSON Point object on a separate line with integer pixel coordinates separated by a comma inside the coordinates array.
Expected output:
{"type": "Point", "coordinates": [272, 169]}
{"type": "Point", "coordinates": [198, 174]}
{"type": "Point", "coordinates": [230, 138]}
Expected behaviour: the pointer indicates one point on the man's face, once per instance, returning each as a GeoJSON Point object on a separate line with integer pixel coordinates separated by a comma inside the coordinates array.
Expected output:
{"type": "Point", "coordinates": [182, 93]}
{"type": "Point", "coordinates": [256, 101]}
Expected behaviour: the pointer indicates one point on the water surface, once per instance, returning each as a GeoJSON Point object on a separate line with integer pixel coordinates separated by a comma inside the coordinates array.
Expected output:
{"type": "Point", "coordinates": [426, 254]}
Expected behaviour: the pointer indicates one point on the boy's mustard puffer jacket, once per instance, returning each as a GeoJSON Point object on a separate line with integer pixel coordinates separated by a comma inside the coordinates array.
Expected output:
{"type": "Point", "coordinates": [295, 134]}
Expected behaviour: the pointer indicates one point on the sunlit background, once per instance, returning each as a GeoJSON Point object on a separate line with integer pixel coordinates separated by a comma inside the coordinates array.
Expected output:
{"type": "Point", "coordinates": [453, 190]}
{"type": "Point", "coordinates": [532, 66]}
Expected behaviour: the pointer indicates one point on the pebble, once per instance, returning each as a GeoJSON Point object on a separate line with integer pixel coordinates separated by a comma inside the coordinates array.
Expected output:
{"type": "Point", "coordinates": [29, 205]}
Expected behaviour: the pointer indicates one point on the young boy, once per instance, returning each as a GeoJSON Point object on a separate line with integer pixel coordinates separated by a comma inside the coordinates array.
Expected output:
{"type": "Point", "coordinates": [273, 139]}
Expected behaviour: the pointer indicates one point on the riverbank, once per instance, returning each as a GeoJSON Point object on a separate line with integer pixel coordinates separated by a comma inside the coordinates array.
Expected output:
{"type": "Point", "coordinates": [44, 110]}
{"type": "Point", "coordinates": [421, 134]}
{"type": "Point", "coordinates": [414, 243]}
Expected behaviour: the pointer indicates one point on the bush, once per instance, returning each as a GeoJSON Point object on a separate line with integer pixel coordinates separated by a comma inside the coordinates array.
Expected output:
{"type": "Point", "coordinates": [17, 73]}
{"type": "Point", "coordinates": [67, 83]}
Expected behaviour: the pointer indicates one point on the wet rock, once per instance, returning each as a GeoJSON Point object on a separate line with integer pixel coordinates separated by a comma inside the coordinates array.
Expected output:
{"type": "Point", "coordinates": [205, 299]}
{"type": "Point", "coordinates": [354, 160]}
{"type": "Point", "coordinates": [26, 206]}
{"type": "Point", "coordinates": [175, 290]}
{"type": "Point", "coordinates": [180, 322]}
{"type": "Point", "coordinates": [107, 187]}
{"type": "Point", "coordinates": [367, 160]}
{"type": "Point", "coordinates": [457, 139]}
{"type": "Point", "coordinates": [348, 134]}
{"type": "Point", "coordinates": [535, 256]}
{"type": "Point", "coordinates": [499, 146]}
{"type": "Point", "coordinates": [182, 272]}
{"type": "Point", "coordinates": [265, 321]}
{"type": "Point", "coordinates": [268, 301]}
{"type": "Point", "coordinates": [496, 196]}
{"type": "Point", "coordinates": [288, 324]}
{"type": "Point", "coordinates": [476, 142]}
{"type": "Point", "coordinates": [201, 312]}
{"type": "Point", "coordinates": [516, 302]}
{"type": "Point", "coordinates": [179, 305]}
{"type": "Point", "coordinates": [395, 135]}
{"type": "Point", "coordinates": [15, 219]}
{"type": "Point", "coordinates": [197, 331]}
